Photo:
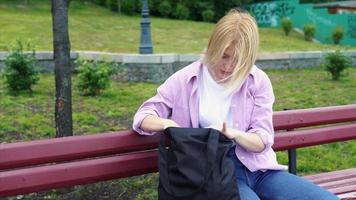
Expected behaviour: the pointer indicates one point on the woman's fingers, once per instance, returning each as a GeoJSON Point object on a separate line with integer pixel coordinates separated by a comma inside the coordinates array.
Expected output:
{"type": "Point", "coordinates": [223, 130]}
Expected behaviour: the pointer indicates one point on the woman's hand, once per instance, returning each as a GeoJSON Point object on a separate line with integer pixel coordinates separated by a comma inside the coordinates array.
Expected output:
{"type": "Point", "coordinates": [228, 132]}
{"type": "Point", "coordinates": [249, 141]}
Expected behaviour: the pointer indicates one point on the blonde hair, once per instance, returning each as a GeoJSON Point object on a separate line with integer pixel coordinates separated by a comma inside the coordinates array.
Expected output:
{"type": "Point", "coordinates": [239, 29]}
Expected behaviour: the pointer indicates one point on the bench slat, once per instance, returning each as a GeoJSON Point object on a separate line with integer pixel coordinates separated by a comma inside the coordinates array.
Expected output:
{"type": "Point", "coordinates": [345, 189]}
{"type": "Point", "coordinates": [340, 183]}
{"type": "Point", "coordinates": [47, 177]}
{"type": "Point", "coordinates": [348, 196]}
{"type": "Point", "coordinates": [337, 182]}
{"type": "Point", "coordinates": [77, 147]}
{"type": "Point", "coordinates": [311, 137]}
{"type": "Point", "coordinates": [332, 176]}
{"type": "Point", "coordinates": [28, 153]}
{"type": "Point", "coordinates": [313, 116]}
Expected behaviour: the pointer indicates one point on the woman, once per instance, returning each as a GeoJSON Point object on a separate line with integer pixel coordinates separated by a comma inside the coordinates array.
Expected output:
{"type": "Point", "coordinates": [225, 91]}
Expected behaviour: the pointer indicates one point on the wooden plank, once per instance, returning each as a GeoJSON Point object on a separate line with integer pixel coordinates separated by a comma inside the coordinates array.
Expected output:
{"type": "Point", "coordinates": [337, 182]}
{"type": "Point", "coordinates": [310, 137]}
{"type": "Point", "coordinates": [345, 181]}
{"type": "Point", "coordinates": [23, 154]}
{"type": "Point", "coordinates": [35, 179]}
{"type": "Point", "coordinates": [331, 176]}
{"type": "Point", "coordinates": [347, 196]}
{"type": "Point", "coordinates": [342, 190]}
{"type": "Point", "coordinates": [77, 147]}
{"type": "Point", "coordinates": [313, 116]}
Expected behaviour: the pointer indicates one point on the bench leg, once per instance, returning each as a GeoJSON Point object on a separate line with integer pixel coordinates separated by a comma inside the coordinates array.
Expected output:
{"type": "Point", "coordinates": [292, 164]}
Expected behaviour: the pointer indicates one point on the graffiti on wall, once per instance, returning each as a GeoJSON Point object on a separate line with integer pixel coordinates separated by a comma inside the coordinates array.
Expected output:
{"type": "Point", "coordinates": [317, 19]}
{"type": "Point", "coordinates": [351, 21]}
{"type": "Point", "coordinates": [271, 13]}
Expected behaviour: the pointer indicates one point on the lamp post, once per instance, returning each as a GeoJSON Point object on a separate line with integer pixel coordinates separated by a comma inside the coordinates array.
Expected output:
{"type": "Point", "coordinates": [145, 42]}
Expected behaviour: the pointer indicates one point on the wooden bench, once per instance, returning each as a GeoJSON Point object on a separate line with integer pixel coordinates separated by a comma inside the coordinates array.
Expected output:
{"type": "Point", "coordinates": [62, 162]}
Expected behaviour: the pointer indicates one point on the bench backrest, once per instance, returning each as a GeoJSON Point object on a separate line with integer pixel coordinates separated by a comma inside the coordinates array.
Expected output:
{"type": "Point", "coordinates": [62, 162]}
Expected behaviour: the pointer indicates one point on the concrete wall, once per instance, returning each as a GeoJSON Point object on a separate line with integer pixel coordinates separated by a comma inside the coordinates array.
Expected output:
{"type": "Point", "coordinates": [158, 67]}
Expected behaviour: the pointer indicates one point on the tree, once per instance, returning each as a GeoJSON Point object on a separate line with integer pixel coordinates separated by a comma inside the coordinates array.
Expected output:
{"type": "Point", "coordinates": [62, 64]}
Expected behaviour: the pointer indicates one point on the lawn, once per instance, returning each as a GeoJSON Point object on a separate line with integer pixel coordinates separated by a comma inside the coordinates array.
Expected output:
{"type": "Point", "coordinates": [30, 116]}
{"type": "Point", "coordinates": [96, 28]}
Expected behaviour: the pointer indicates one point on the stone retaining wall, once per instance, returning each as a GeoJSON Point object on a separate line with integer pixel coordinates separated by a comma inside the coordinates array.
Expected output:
{"type": "Point", "coordinates": [158, 67]}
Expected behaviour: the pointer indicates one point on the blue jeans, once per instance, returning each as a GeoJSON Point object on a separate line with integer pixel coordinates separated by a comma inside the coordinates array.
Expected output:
{"type": "Point", "coordinates": [275, 185]}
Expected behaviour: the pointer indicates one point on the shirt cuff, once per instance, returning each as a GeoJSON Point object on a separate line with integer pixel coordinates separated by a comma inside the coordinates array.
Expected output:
{"type": "Point", "coordinates": [139, 117]}
{"type": "Point", "coordinates": [266, 137]}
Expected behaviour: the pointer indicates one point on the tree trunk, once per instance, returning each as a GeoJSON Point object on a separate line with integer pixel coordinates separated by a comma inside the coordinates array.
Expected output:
{"type": "Point", "coordinates": [62, 65]}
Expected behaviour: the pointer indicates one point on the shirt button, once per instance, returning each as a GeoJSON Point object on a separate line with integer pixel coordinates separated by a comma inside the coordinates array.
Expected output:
{"type": "Point", "coordinates": [237, 125]}
{"type": "Point", "coordinates": [233, 105]}
{"type": "Point", "coordinates": [242, 158]}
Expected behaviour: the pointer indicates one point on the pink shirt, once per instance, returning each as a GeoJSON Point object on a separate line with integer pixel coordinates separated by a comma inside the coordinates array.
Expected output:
{"type": "Point", "coordinates": [251, 107]}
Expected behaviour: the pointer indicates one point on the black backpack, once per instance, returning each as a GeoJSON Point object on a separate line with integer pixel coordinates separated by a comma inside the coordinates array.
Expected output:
{"type": "Point", "coordinates": [196, 166]}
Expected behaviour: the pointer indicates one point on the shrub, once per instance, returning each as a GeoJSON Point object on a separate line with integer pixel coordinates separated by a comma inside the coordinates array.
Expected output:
{"type": "Point", "coordinates": [165, 8]}
{"type": "Point", "coordinates": [154, 5]}
{"type": "Point", "coordinates": [181, 12]}
{"type": "Point", "coordinates": [287, 25]}
{"type": "Point", "coordinates": [337, 34]}
{"type": "Point", "coordinates": [335, 63]}
{"type": "Point", "coordinates": [208, 15]}
{"type": "Point", "coordinates": [128, 7]}
{"type": "Point", "coordinates": [309, 32]}
{"type": "Point", "coordinates": [93, 77]}
{"type": "Point", "coordinates": [100, 2]}
{"type": "Point", "coordinates": [112, 5]}
{"type": "Point", "coordinates": [138, 6]}
{"type": "Point", "coordinates": [20, 73]}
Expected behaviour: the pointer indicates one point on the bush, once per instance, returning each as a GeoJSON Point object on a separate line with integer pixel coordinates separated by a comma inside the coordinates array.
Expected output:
{"type": "Point", "coordinates": [138, 6]}
{"type": "Point", "coordinates": [112, 5]}
{"type": "Point", "coordinates": [100, 2]}
{"type": "Point", "coordinates": [335, 63]}
{"type": "Point", "coordinates": [337, 35]}
{"type": "Point", "coordinates": [287, 25]}
{"type": "Point", "coordinates": [20, 73]}
{"type": "Point", "coordinates": [153, 5]}
{"type": "Point", "coordinates": [181, 12]}
{"type": "Point", "coordinates": [165, 8]}
{"type": "Point", "coordinates": [93, 77]}
{"type": "Point", "coordinates": [309, 32]}
{"type": "Point", "coordinates": [128, 7]}
{"type": "Point", "coordinates": [208, 15]}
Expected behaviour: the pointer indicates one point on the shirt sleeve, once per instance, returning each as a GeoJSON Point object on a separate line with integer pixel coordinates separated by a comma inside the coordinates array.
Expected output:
{"type": "Point", "coordinates": [261, 120]}
{"type": "Point", "coordinates": [159, 105]}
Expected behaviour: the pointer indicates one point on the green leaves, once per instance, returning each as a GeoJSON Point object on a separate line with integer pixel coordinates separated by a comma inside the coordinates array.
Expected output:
{"type": "Point", "coordinates": [20, 73]}
{"type": "Point", "coordinates": [336, 63]}
{"type": "Point", "coordinates": [337, 34]}
{"type": "Point", "coordinates": [309, 32]}
{"type": "Point", "coordinates": [94, 77]}
{"type": "Point", "coordinates": [287, 25]}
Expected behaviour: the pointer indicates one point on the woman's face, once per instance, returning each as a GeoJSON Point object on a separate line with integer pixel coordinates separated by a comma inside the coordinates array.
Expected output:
{"type": "Point", "coordinates": [224, 67]}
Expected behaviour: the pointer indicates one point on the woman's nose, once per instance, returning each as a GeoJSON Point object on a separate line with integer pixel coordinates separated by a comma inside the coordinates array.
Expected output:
{"type": "Point", "coordinates": [226, 66]}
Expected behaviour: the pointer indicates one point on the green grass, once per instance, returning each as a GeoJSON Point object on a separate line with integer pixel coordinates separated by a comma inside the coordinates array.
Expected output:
{"type": "Point", "coordinates": [308, 88]}
{"type": "Point", "coordinates": [30, 116]}
{"type": "Point", "coordinates": [96, 28]}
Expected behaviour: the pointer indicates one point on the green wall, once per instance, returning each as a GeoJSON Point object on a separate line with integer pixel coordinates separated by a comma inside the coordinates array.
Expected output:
{"type": "Point", "coordinates": [269, 14]}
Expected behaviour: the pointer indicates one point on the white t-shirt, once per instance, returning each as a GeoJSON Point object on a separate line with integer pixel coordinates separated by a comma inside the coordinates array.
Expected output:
{"type": "Point", "coordinates": [214, 104]}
